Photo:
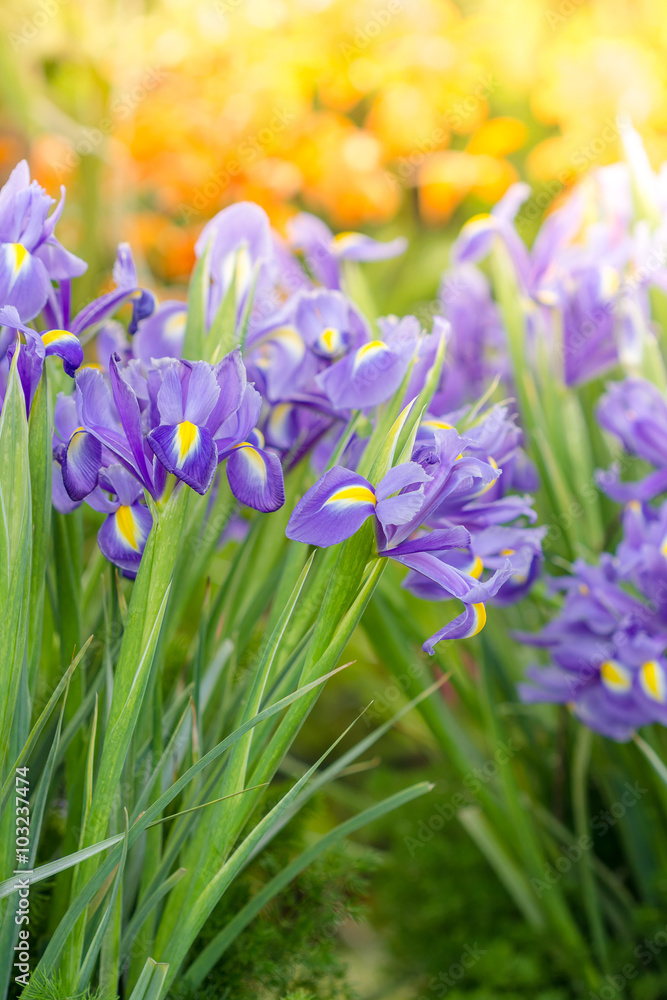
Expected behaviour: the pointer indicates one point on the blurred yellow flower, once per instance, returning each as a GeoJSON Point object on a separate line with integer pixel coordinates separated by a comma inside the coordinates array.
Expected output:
{"type": "Point", "coordinates": [170, 109]}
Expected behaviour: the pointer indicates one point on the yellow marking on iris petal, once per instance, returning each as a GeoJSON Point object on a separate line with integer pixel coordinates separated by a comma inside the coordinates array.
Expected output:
{"type": "Point", "coordinates": [480, 616]}
{"type": "Point", "coordinates": [480, 217]}
{"type": "Point", "coordinates": [353, 494]}
{"type": "Point", "coordinates": [610, 280]}
{"type": "Point", "coordinates": [634, 505]}
{"type": "Point", "coordinates": [485, 489]}
{"type": "Point", "coordinates": [663, 547]}
{"type": "Point", "coordinates": [253, 457]}
{"type": "Point", "coordinates": [341, 237]}
{"type": "Point", "coordinates": [652, 680]}
{"type": "Point", "coordinates": [126, 526]}
{"type": "Point", "coordinates": [584, 589]}
{"type": "Point", "coordinates": [77, 439]}
{"type": "Point", "coordinates": [440, 424]}
{"type": "Point", "coordinates": [372, 347]}
{"type": "Point", "coordinates": [507, 552]}
{"type": "Point", "coordinates": [187, 437]}
{"type": "Point", "coordinates": [52, 335]}
{"type": "Point", "coordinates": [330, 339]}
{"type": "Point", "coordinates": [615, 677]}
{"type": "Point", "coordinates": [20, 254]}
{"type": "Point", "coordinates": [477, 568]}
{"type": "Point", "coordinates": [175, 326]}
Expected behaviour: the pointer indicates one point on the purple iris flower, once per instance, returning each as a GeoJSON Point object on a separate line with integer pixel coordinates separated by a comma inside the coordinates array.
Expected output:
{"type": "Point", "coordinates": [182, 418]}
{"type": "Point", "coordinates": [323, 251]}
{"type": "Point", "coordinates": [372, 373]}
{"type": "Point", "coordinates": [635, 411]}
{"type": "Point", "coordinates": [476, 345]}
{"type": "Point", "coordinates": [242, 251]}
{"type": "Point", "coordinates": [607, 652]}
{"type": "Point", "coordinates": [437, 490]}
{"type": "Point", "coordinates": [37, 347]}
{"type": "Point", "coordinates": [30, 255]}
{"type": "Point", "coordinates": [127, 290]}
{"type": "Point", "coordinates": [123, 536]}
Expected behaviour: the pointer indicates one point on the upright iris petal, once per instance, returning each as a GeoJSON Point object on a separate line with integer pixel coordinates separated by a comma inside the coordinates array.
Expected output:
{"type": "Point", "coordinates": [365, 378]}
{"type": "Point", "coordinates": [183, 442]}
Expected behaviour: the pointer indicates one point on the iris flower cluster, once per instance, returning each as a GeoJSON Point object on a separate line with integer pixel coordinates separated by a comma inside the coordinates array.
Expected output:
{"type": "Point", "coordinates": [585, 285]}
{"type": "Point", "coordinates": [142, 419]}
{"type": "Point", "coordinates": [607, 645]}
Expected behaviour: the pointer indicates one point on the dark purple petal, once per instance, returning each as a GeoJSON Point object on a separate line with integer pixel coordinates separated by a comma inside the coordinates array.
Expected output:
{"type": "Point", "coordinates": [187, 451]}
{"type": "Point", "coordinates": [122, 537]}
{"type": "Point", "coordinates": [333, 509]}
{"type": "Point", "coordinates": [81, 465]}
{"type": "Point", "coordinates": [256, 477]}
{"type": "Point", "coordinates": [465, 626]}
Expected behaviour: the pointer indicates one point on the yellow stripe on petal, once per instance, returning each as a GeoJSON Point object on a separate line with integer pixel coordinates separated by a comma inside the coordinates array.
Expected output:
{"type": "Point", "coordinates": [369, 350]}
{"type": "Point", "coordinates": [20, 255]}
{"type": "Point", "coordinates": [187, 438]}
{"type": "Point", "coordinates": [127, 527]}
{"type": "Point", "coordinates": [615, 677]}
{"type": "Point", "coordinates": [439, 424]}
{"type": "Point", "coordinates": [77, 439]}
{"type": "Point", "coordinates": [480, 620]}
{"type": "Point", "coordinates": [477, 568]}
{"type": "Point", "coordinates": [254, 460]}
{"type": "Point", "coordinates": [52, 335]}
{"type": "Point", "coordinates": [652, 680]}
{"type": "Point", "coordinates": [330, 340]}
{"type": "Point", "coordinates": [353, 494]}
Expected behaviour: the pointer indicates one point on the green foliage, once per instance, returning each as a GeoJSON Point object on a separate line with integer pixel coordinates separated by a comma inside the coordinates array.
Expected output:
{"type": "Point", "coordinates": [54, 988]}
{"type": "Point", "coordinates": [457, 905]}
{"type": "Point", "coordinates": [291, 949]}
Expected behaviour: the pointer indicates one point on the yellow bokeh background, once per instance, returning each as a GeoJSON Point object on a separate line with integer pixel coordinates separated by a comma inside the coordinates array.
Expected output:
{"type": "Point", "coordinates": [376, 114]}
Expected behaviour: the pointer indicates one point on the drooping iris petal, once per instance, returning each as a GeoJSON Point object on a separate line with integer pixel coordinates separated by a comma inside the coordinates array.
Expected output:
{"type": "Point", "coordinates": [187, 451]}
{"type": "Point", "coordinates": [465, 626]}
{"type": "Point", "coordinates": [333, 509]}
{"type": "Point", "coordinates": [366, 378]}
{"type": "Point", "coordinates": [256, 477]}
{"type": "Point", "coordinates": [64, 345]}
{"type": "Point", "coordinates": [59, 496]}
{"type": "Point", "coordinates": [81, 464]}
{"type": "Point", "coordinates": [122, 537]}
{"type": "Point", "coordinates": [24, 282]}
